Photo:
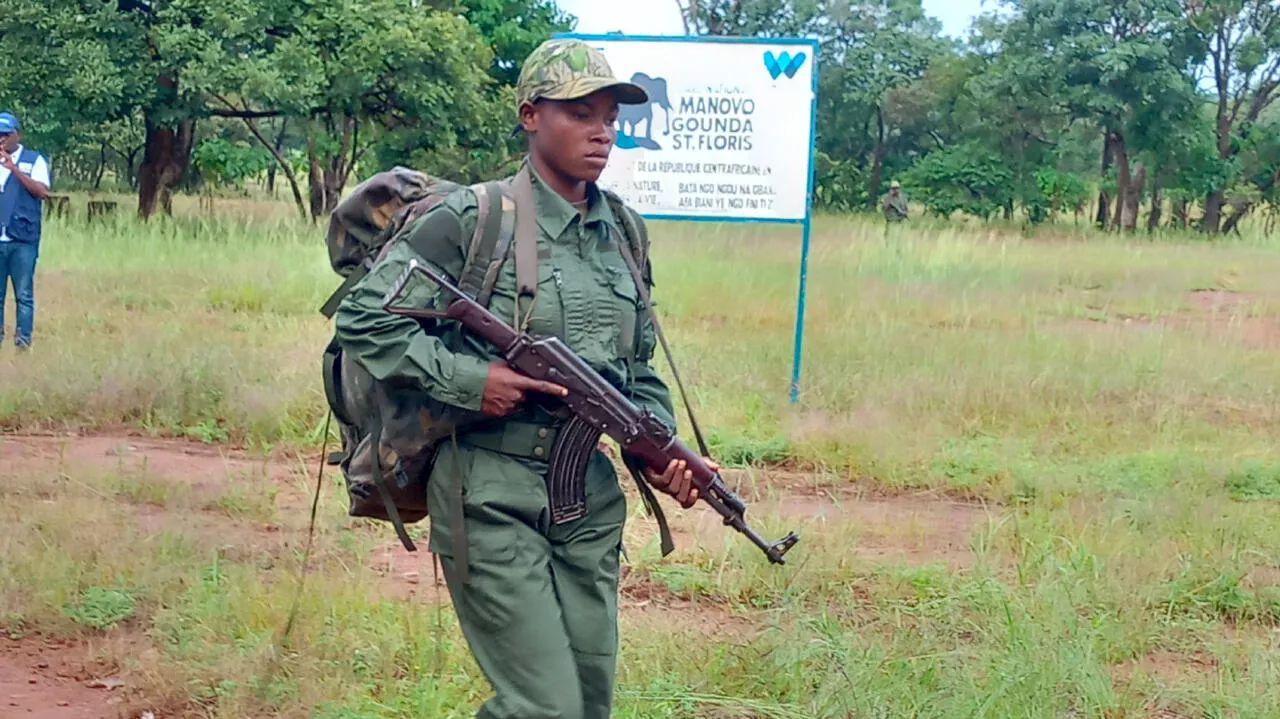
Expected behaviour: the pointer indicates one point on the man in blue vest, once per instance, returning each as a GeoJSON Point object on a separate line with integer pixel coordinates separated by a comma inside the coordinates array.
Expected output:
{"type": "Point", "coordinates": [24, 185]}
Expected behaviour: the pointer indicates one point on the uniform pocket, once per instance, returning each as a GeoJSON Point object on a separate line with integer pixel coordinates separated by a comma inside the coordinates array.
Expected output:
{"type": "Point", "coordinates": [494, 591]}
{"type": "Point", "coordinates": [624, 292]}
{"type": "Point", "coordinates": [22, 226]}
{"type": "Point", "coordinates": [547, 316]}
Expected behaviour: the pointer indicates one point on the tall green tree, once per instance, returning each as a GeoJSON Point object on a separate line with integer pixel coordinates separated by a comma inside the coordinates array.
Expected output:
{"type": "Point", "coordinates": [1241, 43]}
{"type": "Point", "coordinates": [513, 29]}
{"type": "Point", "coordinates": [1120, 65]}
{"type": "Point", "coordinates": [869, 50]}
{"type": "Point", "coordinates": [352, 73]}
{"type": "Point", "coordinates": [100, 62]}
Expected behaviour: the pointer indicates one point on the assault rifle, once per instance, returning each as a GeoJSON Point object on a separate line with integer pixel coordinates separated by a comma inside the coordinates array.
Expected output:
{"type": "Point", "coordinates": [597, 408]}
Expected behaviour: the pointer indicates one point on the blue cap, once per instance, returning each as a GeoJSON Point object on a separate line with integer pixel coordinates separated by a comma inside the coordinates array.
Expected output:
{"type": "Point", "coordinates": [9, 123]}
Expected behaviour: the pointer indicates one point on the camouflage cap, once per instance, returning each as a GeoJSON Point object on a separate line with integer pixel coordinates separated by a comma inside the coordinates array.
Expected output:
{"type": "Point", "coordinates": [568, 69]}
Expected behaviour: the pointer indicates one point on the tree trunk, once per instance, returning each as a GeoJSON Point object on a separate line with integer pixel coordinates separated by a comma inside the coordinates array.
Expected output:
{"type": "Point", "coordinates": [333, 184]}
{"type": "Point", "coordinates": [164, 160]}
{"type": "Point", "coordinates": [689, 16]}
{"type": "Point", "coordinates": [276, 152]}
{"type": "Point", "coordinates": [1123, 179]}
{"type": "Point", "coordinates": [102, 167]}
{"type": "Point", "coordinates": [1242, 210]}
{"type": "Point", "coordinates": [877, 159]}
{"type": "Point", "coordinates": [1153, 219]}
{"type": "Point", "coordinates": [315, 181]}
{"type": "Point", "coordinates": [1237, 214]}
{"type": "Point", "coordinates": [1214, 201]}
{"type": "Point", "coordinates": [1180, 213]}
{"type": "Point", "coordinates": [1213, 211]}
{"type": "Point", "coordinates": [1104, 200]}
{"type": "Point", "coordinates": [1132, 198]}
{"type": "Point", "coordinates": [131, 167]}
{"type": "Point", "coordinates": [337, 168]}
{"type": "Point", "coordinates": [280, 160]}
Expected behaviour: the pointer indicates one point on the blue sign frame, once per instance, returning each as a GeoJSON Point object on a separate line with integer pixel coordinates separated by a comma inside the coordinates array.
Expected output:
{"type": "Point", "coordinates": [807, 222]}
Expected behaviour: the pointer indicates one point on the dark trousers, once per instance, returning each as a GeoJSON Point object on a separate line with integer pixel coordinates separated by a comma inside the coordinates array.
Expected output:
{"type": "Point", "coordinates": [18, 266]}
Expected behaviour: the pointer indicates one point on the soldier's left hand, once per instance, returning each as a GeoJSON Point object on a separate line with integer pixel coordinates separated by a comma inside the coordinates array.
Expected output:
{"type": "Point", "coordinates": [6, 161]}
{"type": "Point", "coordinates": [677, 481]}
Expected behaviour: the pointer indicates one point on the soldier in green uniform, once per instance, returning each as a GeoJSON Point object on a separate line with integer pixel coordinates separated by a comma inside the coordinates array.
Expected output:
{"type": "Point", "coordinates": [894, 204]}
{"type": "Point", "coordinates": [537, 602]}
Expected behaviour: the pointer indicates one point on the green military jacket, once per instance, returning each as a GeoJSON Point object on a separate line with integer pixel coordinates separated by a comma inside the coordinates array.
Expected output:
{"type": "Point", "coordinates": [895, 208]}
{"type": "Point", "coordinates": [586, 296]}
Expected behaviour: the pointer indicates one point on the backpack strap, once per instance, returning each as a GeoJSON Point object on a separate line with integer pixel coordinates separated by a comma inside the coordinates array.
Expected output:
{"type": "Point", "coordinates": [330, 306]}
{"type": "Point", "coordinates": [526, 235]}
{"type": "Point", "coordinates": [642, 288]}
{"type": "Point", "coordinates": [506, 235]}
{"type": "Point", "coordinates": [484, 240]}
{"type": "Point", "coordinates": [506, 216]}
{"type": "Point", "coordinates": [635, 232]}
{"type": "Point", "coordinates": [526, 244]}
{"type": "Point", "coordinates": [496, 226]}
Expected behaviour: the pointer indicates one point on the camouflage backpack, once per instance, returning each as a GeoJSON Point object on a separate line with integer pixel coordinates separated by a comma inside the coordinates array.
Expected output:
{"type": "Point", "coordinates": [403, 422]}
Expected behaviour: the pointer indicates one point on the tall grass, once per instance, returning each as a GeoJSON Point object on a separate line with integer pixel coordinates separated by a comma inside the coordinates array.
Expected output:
{"type": "Point", "coordinates": [1118, 428]}
{"type": "Point", "coordinates": [914, 339]}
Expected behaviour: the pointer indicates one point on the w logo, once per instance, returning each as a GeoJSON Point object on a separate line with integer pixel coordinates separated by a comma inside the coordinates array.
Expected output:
{"type": "Point", "coordinates": [784, 64]}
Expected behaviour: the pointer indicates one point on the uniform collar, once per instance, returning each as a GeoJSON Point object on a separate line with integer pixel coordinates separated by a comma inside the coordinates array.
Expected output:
{"type": "Point", "coordinates": [556, 214]}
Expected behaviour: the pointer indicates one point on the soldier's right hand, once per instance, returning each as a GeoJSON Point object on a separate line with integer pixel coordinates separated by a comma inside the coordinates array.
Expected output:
{"type": "Point", "coordinates": [504, 390]}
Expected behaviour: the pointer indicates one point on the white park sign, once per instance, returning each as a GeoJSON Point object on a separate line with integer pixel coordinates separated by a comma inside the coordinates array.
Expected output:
{"type": "Point", "coordinates": [727, 135]}
{"type": "Point", "coordinates": [728, 131]}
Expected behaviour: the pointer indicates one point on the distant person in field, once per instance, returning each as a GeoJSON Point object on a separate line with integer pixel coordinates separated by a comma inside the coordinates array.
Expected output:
{"type": "Point", "coordinates": [24, 185]}
{"type": "Point", "coordinates": [894, 204]}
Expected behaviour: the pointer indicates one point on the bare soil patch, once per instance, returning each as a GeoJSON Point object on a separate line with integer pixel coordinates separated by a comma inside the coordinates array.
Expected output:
{"type": "Point", "coordinates": [409, 576]}
{"type": "Point", "coordinates": [650, 606]}
{"type": "Point", "coordinates": [1167, 667]}
{"type": "Point", "coordinates": [208, 470]}
{"type": "Point", "coordinates": [46, 679]}
{"type": "Point", "coordinates": [905, 529]}
{"type": "Point", "coordinates": [1223, 315]}
{"type": "Point", "coordinates": [1226, 313]}
{"type": "Point", "coordinates": [190, 462]}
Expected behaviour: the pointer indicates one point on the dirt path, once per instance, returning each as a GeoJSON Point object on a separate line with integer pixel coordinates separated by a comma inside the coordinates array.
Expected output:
{"type": "Point", "coordinates": [47, 680]}
{"type": "Point", "coordinates": [901, 529]}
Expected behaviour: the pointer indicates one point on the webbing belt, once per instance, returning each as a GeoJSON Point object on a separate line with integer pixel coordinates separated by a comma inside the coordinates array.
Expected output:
{"type": "Point", "coordinates": [520, 439]}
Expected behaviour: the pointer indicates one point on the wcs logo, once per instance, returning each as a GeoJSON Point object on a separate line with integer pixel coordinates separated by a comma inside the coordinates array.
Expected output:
{"type": "Point", "coordinates": [784, 64]}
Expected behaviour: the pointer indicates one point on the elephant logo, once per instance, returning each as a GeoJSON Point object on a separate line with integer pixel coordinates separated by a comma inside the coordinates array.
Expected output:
{"type": "Point", "coordinates": [630, 117]}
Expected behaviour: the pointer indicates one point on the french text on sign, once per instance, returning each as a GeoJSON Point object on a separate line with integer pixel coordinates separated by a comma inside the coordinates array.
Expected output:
{"type": "Point", "coordinates": [727, 132]}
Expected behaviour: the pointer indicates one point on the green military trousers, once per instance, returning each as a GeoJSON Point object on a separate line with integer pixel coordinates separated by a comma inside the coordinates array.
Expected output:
{"type": "Point", "coordinates": [539, 606]}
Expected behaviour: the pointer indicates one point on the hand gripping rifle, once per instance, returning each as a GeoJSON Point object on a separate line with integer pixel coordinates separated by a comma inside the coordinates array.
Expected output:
{"type": "Point", "coordinates": [597, 407]}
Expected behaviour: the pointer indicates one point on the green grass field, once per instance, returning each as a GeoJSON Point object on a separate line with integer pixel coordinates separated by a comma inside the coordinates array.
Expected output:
{"type": "Point", "coordinates": [1036, 475]}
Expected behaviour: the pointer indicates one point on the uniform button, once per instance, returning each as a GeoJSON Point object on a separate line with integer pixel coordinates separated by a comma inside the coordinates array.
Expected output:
{"type": "Point", "coordinates": [542, 433]}
{"type": "Point", "coordinates": [538, 451]}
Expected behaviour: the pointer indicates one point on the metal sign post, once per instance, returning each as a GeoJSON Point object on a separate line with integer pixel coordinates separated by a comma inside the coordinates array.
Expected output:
{"type": "Point", "coordinates": [722, 138]}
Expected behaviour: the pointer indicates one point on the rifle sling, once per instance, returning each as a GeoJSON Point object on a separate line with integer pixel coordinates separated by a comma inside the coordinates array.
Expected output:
{"type": "Point", "coordinates": [380, 482]}
{"type": "Point", "coordinates": [651, 505]}
{"type": "Point", "coordinates": [330, 307]}
{"type": "Point", "coordinates": [666, 349]}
